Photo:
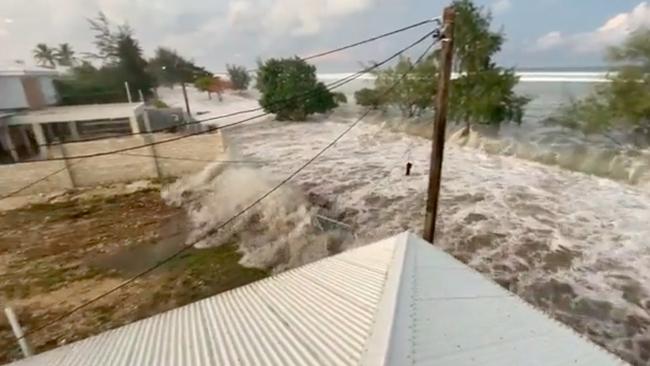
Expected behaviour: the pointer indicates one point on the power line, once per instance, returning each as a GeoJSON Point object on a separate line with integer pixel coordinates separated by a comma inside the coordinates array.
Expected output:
{"type": "Point", "coordinates": [322, 54]}
{"type": "Point", "coordinates": [326, 53]}
{"type": "Point", "coordinates": [236, 216]}
{"type": "Point", "coordinates": [332, 86]}
{"type": "Point", "coordinates": [34, 183]}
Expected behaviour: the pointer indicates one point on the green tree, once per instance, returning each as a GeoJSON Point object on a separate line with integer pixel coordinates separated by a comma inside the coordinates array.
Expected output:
{"type": "Point", "coordinates": [484, 92]}
{"type": "Point", "coordinates": [86, 84]}
{"type": "Point", "coordinates": [412, 94]}
{"type": "Point", "coordinates": [44, 55]}
{"type": "Point", "coordinates": [169, 68]}
{"type": "Point", "coordinates": [205, 84]}
{"type": "Point", "coordinates": [65, 55]}
{"type": "Point", "coordinates": [131, 66]}
{"type": "Point", "coordinates": [340, 98]}
{"type": "Point", "coordinates": [290, 89]}
{"type": "Point", "coordinates": [239, 77]}
{"type": "Point", "coordinates": [106, 39]}
{"type": "Point", "coordinates": [623, 104]}
{"type": "Point", "coordinates": [369, 98]}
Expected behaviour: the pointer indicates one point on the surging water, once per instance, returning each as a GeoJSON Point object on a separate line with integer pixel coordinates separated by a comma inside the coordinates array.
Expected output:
{"type": "Point", "coordinates": [572, 244]}
{"type": "Point", "coordinates": [537, 140]}
{"type": "Point", "coordinates": [575, 245]}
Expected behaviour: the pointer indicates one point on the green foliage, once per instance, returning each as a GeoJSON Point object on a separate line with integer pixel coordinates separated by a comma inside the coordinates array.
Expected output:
{"type": "Point", "coordinates": [239, 77]}
{"type": "Point", "coordinates": [412, 94]}
{"type": "Point", "coordinates": [89, 85]}
{"type": "Point", "coordinates": [44, 55]}
{"type": "Point", "coordinates": [340, 98]}
{"type": "Point", "coordinates": [131, 66]}
{"type": "Point", "coordinates": [484, 92]}
{"type": "Point", "coordinates": [169, 68]}
{"type": "Point", "coordinates": [122, 61]}
{"type": "Point", "coordinates": [160, 104]}
{"type": "Point", "coordinates": [290, 89]}
{"type": "Point", "coordinates": [106, 39]}
{"type": "Point", "coordinates": [206, 84]}
{"type": "Point", "coordinates": [369, 98]}
{"type": "Point", "coordinates": [624, 103]}
{"type": "Point", "coordinates": [486, 97]}
{"type": "Point", "coordinates": [65, 56]}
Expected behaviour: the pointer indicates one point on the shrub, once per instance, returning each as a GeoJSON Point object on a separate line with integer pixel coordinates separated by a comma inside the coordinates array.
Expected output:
{"type": "Point", "coordinates": [340, 98]}
{"type": "Point", "coordinates": [290, 89]}
{"type": "Point", "coordinates": [368, 98]}
{"type": "Point", "coordinates": [239, 77]}
{"type": "Point", "coordinates": [160, 104]}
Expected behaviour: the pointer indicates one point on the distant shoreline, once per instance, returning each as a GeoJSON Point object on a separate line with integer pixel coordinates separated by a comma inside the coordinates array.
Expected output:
{"type": "Point", "coordinates": [578, 76]}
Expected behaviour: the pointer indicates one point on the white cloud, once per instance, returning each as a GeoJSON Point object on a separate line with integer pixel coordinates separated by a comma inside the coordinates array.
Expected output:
{"type": "Point", "coordinates": [501, 6]}
{"type": "Point", "coordinates": [295, 17]}
{"type": "Point", "coordinates": [548, 41]}
{"type": "Point", "coordinates": [209, 31]}
{"type": "Point", "coordinates": [613, 32]}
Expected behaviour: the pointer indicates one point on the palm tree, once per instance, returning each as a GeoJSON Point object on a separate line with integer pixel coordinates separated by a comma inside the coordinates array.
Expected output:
{"type": "Point", "coordinates": [44, 55]}
{"type": "Point", "coordinates": [65, 55]}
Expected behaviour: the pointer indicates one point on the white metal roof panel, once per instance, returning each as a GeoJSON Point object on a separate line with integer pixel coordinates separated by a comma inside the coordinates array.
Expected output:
{"type": "Point", "coordinates": [400, 301]}
{"type": "Point", "coordinates": [448, 314]}
{"type": "Point", "coordinates": [319, 314]}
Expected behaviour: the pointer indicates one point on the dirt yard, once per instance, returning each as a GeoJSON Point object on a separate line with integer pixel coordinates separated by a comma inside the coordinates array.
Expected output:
{"type": "Point", "coordinates": [55, 256]}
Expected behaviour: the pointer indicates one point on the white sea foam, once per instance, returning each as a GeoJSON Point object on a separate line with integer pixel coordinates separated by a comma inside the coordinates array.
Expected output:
{"type": "Point", "coordinates": [573, 244]}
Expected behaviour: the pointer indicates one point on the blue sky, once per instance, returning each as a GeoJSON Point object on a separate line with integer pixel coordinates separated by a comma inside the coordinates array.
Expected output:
{"type": "Point", "coordinates": [540, 33]}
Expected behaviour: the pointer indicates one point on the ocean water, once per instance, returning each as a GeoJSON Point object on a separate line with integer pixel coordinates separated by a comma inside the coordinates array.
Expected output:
{"type": "Point", "coordinates": [537, 140]}
{"type": "Point", "coordinates": [570, 241]}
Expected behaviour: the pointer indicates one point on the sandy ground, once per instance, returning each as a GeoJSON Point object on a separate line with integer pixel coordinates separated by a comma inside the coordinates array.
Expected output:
{"type": "Point", "coordinates": [56, 255]}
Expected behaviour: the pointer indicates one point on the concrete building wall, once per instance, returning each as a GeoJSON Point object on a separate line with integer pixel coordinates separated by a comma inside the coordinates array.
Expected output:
{"type": "Point", "coordinates": [12, 94]}
{"type": "Point", "coordinates": [33, 92]}
{"type": "Point", "coordinates": [49, 91]}
{"type": "Point", "coordinates": [164, 160]}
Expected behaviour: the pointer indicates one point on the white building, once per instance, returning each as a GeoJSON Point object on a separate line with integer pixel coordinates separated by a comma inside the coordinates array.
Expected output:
{"type": "Point", "coordinates": [22, 88]}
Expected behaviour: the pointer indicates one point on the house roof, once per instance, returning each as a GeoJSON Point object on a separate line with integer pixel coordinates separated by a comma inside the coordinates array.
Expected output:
{"type": "Point", "coordinates": [92, 112]}
{"type": "Point", "coordinates": [21, 69]}
{"type": "Point", "coordinates": [399, 301]}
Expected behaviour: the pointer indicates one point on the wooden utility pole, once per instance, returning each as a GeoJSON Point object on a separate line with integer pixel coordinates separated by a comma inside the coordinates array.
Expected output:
{"type": "Point", "coordinates": [440, 123]}
{"type": "Point", "coordinates": [187, 102]}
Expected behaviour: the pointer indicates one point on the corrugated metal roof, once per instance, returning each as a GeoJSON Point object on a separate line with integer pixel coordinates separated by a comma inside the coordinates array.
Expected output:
{"type": "Point", "coordinates": [400, 301]}
{"type": "Point", "coordinates": [448, 314]}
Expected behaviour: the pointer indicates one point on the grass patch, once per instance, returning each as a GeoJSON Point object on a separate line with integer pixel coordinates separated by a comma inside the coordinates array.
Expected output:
{"type": "Point", "coordinates": [200, 273]}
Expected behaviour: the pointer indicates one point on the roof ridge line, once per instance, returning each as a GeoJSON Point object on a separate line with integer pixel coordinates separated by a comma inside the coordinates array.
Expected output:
{"type": "Point", "coordinates": [378, 344]}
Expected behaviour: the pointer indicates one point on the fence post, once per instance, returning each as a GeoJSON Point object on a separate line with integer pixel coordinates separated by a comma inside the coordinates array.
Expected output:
{"type": "Point", "coordinates": [68, 166]}
{"type": "Point", "coordinates": [18, 332]}
{"type": "Point", "coordinates": [150, 139]}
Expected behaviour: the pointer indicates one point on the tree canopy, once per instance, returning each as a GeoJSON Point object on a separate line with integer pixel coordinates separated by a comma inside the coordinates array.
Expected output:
{"type": "Point", "coordinates": [290, 89]}
{"type": "Point", "coordinates": [44, 55]}
{"type": "Point", "coordinates": [623, 104]}
{"type": "Point", "coordinates": [169, 68]}
{"type": "Point", "coordinates": [65, 55]}
{"type": "Point", "coordinates": [239, 77]}
{"type": "Point", "coordinates": [483, 92]}
{"type": "Point", "coordinates": [122, 60]}
{"type": "Point", "coordinates": [412, 94]}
